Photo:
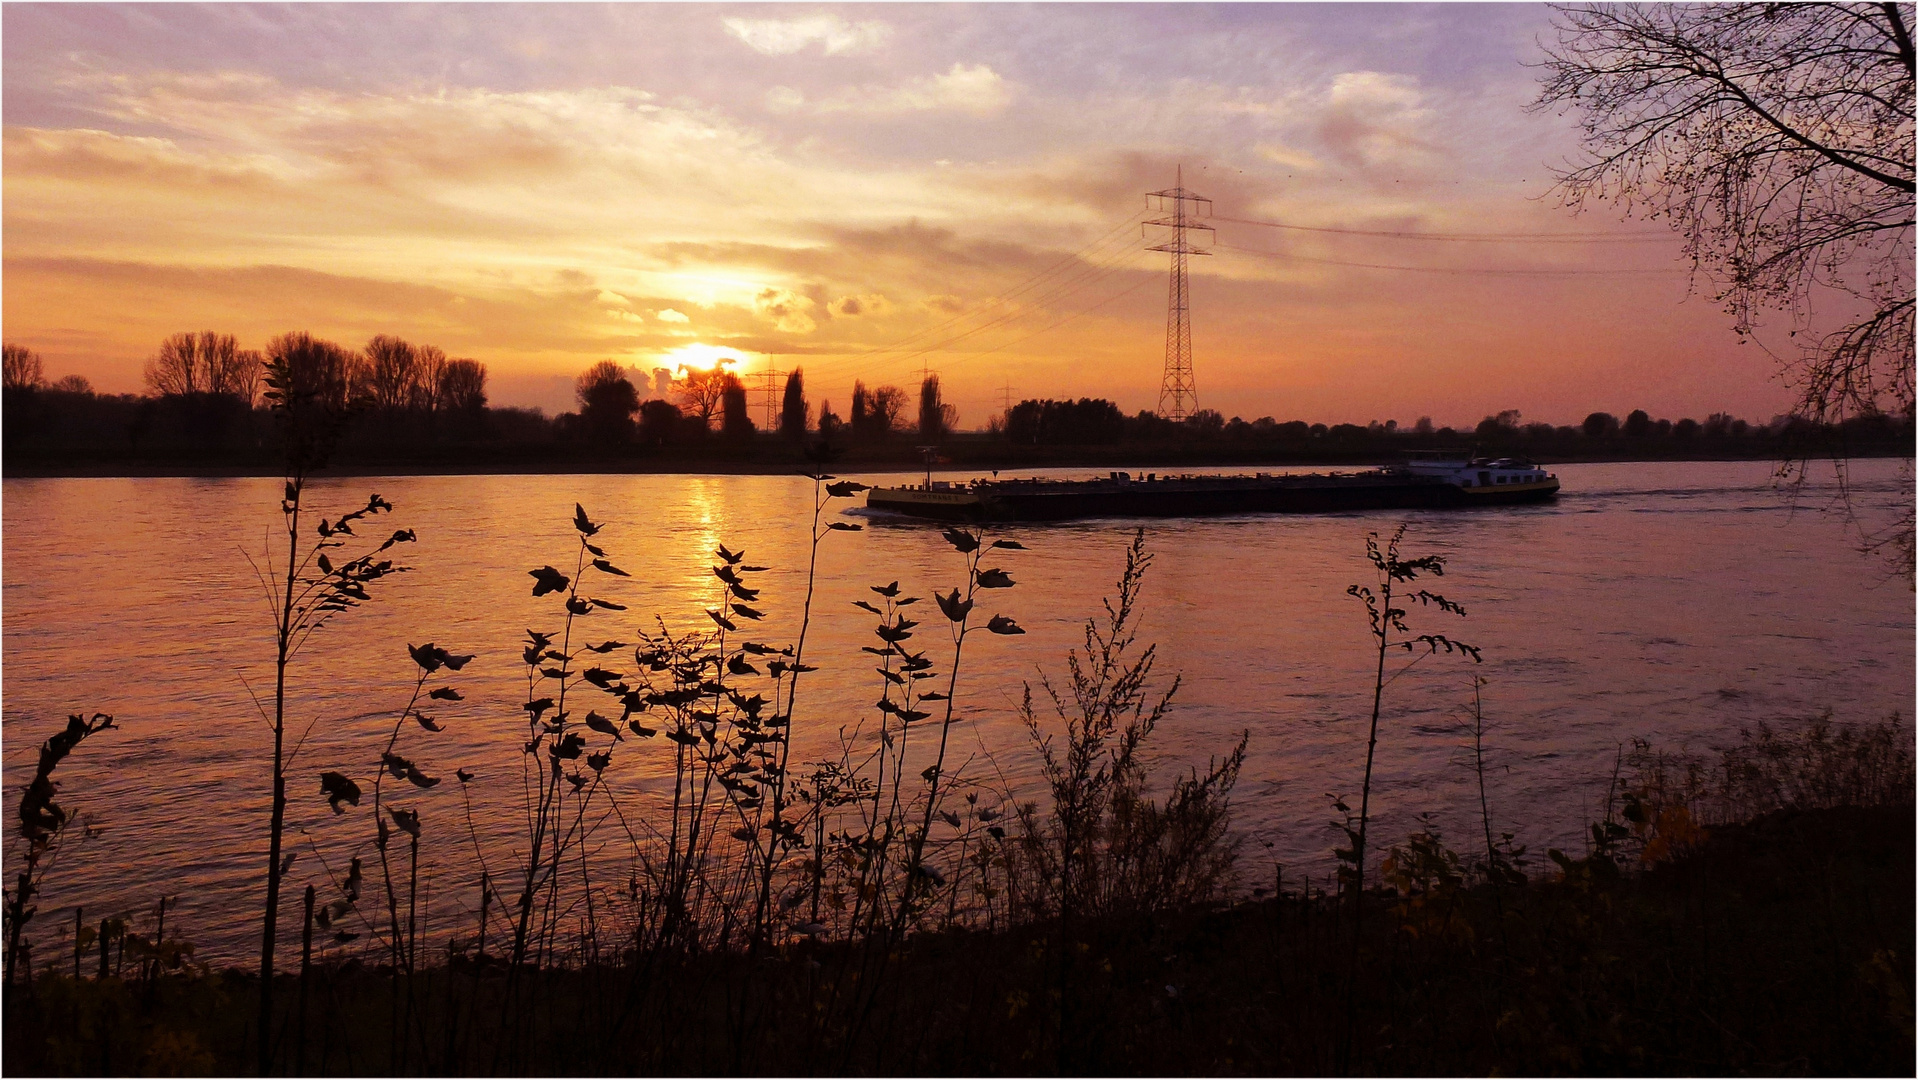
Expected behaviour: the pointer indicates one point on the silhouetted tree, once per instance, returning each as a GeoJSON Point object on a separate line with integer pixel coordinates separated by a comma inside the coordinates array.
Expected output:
{"type": "Point", "coordinates": [792, 407]}
{"type": "Point", "coordinates": [932, 416]}
{"type": "Point", "coordinates": [659, 422]}
{"type": "Point", "coordinates": [23, 368]}
{"type": "Point", "coordinates": [316, 372]}
{"type": "Point", "coordinates": [1086, 422]}
{"type": "Point", "coordinates": [389, 377]}
{"type": "Point", "coordinates": [1500, 428]}
{"type": "Point", "coordinates": [607, 402]}
{"type": "Point", "coordinates": [1638, 424]}
{"type": "Point", "coordinates": [429, 362]}
{"type": "Point", "coordinates": [701, 394]}
{"type": "Point", "coordinates": [461, 386]}
{"type": "Point", "coordinates": [736, 416]}
{"type": "Point", "coordinates": [1778, 138]}
{"type": "Point", "coordinates": [885, 407]}
{"type": "Point", "coordinates": [829, 422]}
{"type": "Point", "coordinates": [857, 417]}
{"type": "Point", "coordinates": [1600, 425]}
{"type": "Point", "coordinates": [1208, 422]}
{"type": "Point", "coordinates": [204, 363]}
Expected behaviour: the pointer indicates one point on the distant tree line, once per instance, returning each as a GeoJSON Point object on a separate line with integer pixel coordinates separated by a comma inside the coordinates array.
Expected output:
{"type": "Point", "coordinates": [410, 401]}
{"type": "Point", "coordinates": [1098, 422]}
{"type": "Point", "coordinates": [203, 397]}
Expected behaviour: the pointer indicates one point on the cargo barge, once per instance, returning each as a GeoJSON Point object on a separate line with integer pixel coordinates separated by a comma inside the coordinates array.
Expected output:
{"type": "Point", "coordinates": [1415, 485]}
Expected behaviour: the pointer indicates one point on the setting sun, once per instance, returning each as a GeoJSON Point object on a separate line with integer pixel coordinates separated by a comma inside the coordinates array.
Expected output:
{"type": "Point", "coordinates": [699, 356]}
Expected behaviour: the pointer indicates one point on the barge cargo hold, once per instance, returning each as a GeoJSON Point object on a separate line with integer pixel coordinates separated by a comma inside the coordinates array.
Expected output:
{"type": "Point", "coordinates": [1416, 485]}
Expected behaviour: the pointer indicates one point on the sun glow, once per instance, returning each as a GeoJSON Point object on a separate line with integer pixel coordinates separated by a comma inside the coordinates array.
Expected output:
{"type": "Point", "coordinates": [700, 356]}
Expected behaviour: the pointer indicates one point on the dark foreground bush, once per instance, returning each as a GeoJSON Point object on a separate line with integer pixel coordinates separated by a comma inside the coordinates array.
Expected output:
{"type": "Point", "coordinates": [1779, 946]}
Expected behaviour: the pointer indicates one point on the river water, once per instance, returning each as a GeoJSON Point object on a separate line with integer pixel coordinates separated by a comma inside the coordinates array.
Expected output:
{"type": "Point", "coordinates": [1668, 601]}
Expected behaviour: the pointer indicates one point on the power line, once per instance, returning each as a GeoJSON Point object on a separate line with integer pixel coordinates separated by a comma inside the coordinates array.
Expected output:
{"type": "Point", "coordinates": [1522, 272]}
{"type": "Point", "coordinates": [1090, 275]}
{"type": "Point", "coordinates": [1467, 238]}
{"type": "Point", "coordinates": [1001, 298]}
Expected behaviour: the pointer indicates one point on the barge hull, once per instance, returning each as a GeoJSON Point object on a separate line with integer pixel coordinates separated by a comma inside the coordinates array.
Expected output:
{"type": "Point", "coordinates": [1307, 495]}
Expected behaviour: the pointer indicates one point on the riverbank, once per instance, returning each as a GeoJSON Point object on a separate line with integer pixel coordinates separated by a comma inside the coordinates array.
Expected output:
{"type": "Point", "coordinates": [782, 459]}
{"type": "Point", "coordinates": [1779, 946]}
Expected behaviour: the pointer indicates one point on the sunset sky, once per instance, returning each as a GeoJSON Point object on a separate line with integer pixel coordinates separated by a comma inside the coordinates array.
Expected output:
{"type": "Point", "coordinates": [858, 190]}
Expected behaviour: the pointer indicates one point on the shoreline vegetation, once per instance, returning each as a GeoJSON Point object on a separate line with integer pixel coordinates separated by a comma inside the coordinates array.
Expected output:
{"type": "Point", "coordinates": [408, 409]}
{"type": "Point", "coordinates": [878, 905]}
{"type": "Point", "coordinates": [1775, 943]}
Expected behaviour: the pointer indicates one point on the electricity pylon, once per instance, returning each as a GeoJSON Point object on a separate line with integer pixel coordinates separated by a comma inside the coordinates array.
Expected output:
{"type": "Point", "coordinates": [774, 392]}
{"type": "Point", "coordinates": [1178, 394]}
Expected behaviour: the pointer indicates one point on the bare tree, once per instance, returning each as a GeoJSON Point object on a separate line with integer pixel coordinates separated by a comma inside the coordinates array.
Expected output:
{"type": "Point", "coordinates": [23, 368]}
{"type": "Point", "coordinates": [1778, 139]}
{"type": "Point", "coordinates": [885, 407]}
{"type": "Point", "coordinates": [701, 393]}
{"type": "Point", "coordinates": [390, 373]}
{"type": "Point", "coordinates": [461, 386]}
{"type": "Point", "coordinates": [175, 370]}
{"type": "Point", "coordinates": [429, 362]}
{"type": "Point", "coordinates": [314, 370]}
{"type": "Point", "coordinates": [204, 363]}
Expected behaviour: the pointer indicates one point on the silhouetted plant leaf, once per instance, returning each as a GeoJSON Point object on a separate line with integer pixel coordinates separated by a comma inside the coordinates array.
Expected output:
{"type": "Point", "coordinates": [730, 556]}
{"type": "Point", "coordinates": [723, 621]}
{"type": "Point", "coordinates": [959, 538]}
{"type": "Point", "coordinates": [338, 789]}
{"type": "Point", "coordinates": [407, 820]}
{"type": "Point", "coordinates": [420, 779]}
{"type": "Point", "coordinates": [955, 608]}
{"type": "Point", "coordinates": [580, 522]}
{"type": "Point", "coordinates": [1012, 544]}
{"type": "Point", "coordinates": [994, 579]}
{"type": "Point", "coordinates": [608, 605]}
{"type": "Point", "coordinates": [427, 722]}
{"type": "Point", "coordinates": [844, 488]}
{"type": "Point", "coordinates": [446, 693]}
{"type": "Point", "coordinates": [866, 606]}
{"type": "Point", "coordinates": [844, 526]}
{"type": "Point", "coordinates": [602, 725]}
{"type": "Point", "coordinates": [746, 612]}
{"type": "Point", "coordinates": [548, 580]}
{"type": "Point", "coordinates": [602, 564]}
{"type": "Point", "coordinates": [999, 624]}
{"type": "Point", "coordinates": [463, 776]}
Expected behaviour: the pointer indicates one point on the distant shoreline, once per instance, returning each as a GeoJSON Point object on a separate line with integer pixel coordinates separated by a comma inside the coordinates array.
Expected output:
{"type": "Point", "coordinates": [1099, 458]}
